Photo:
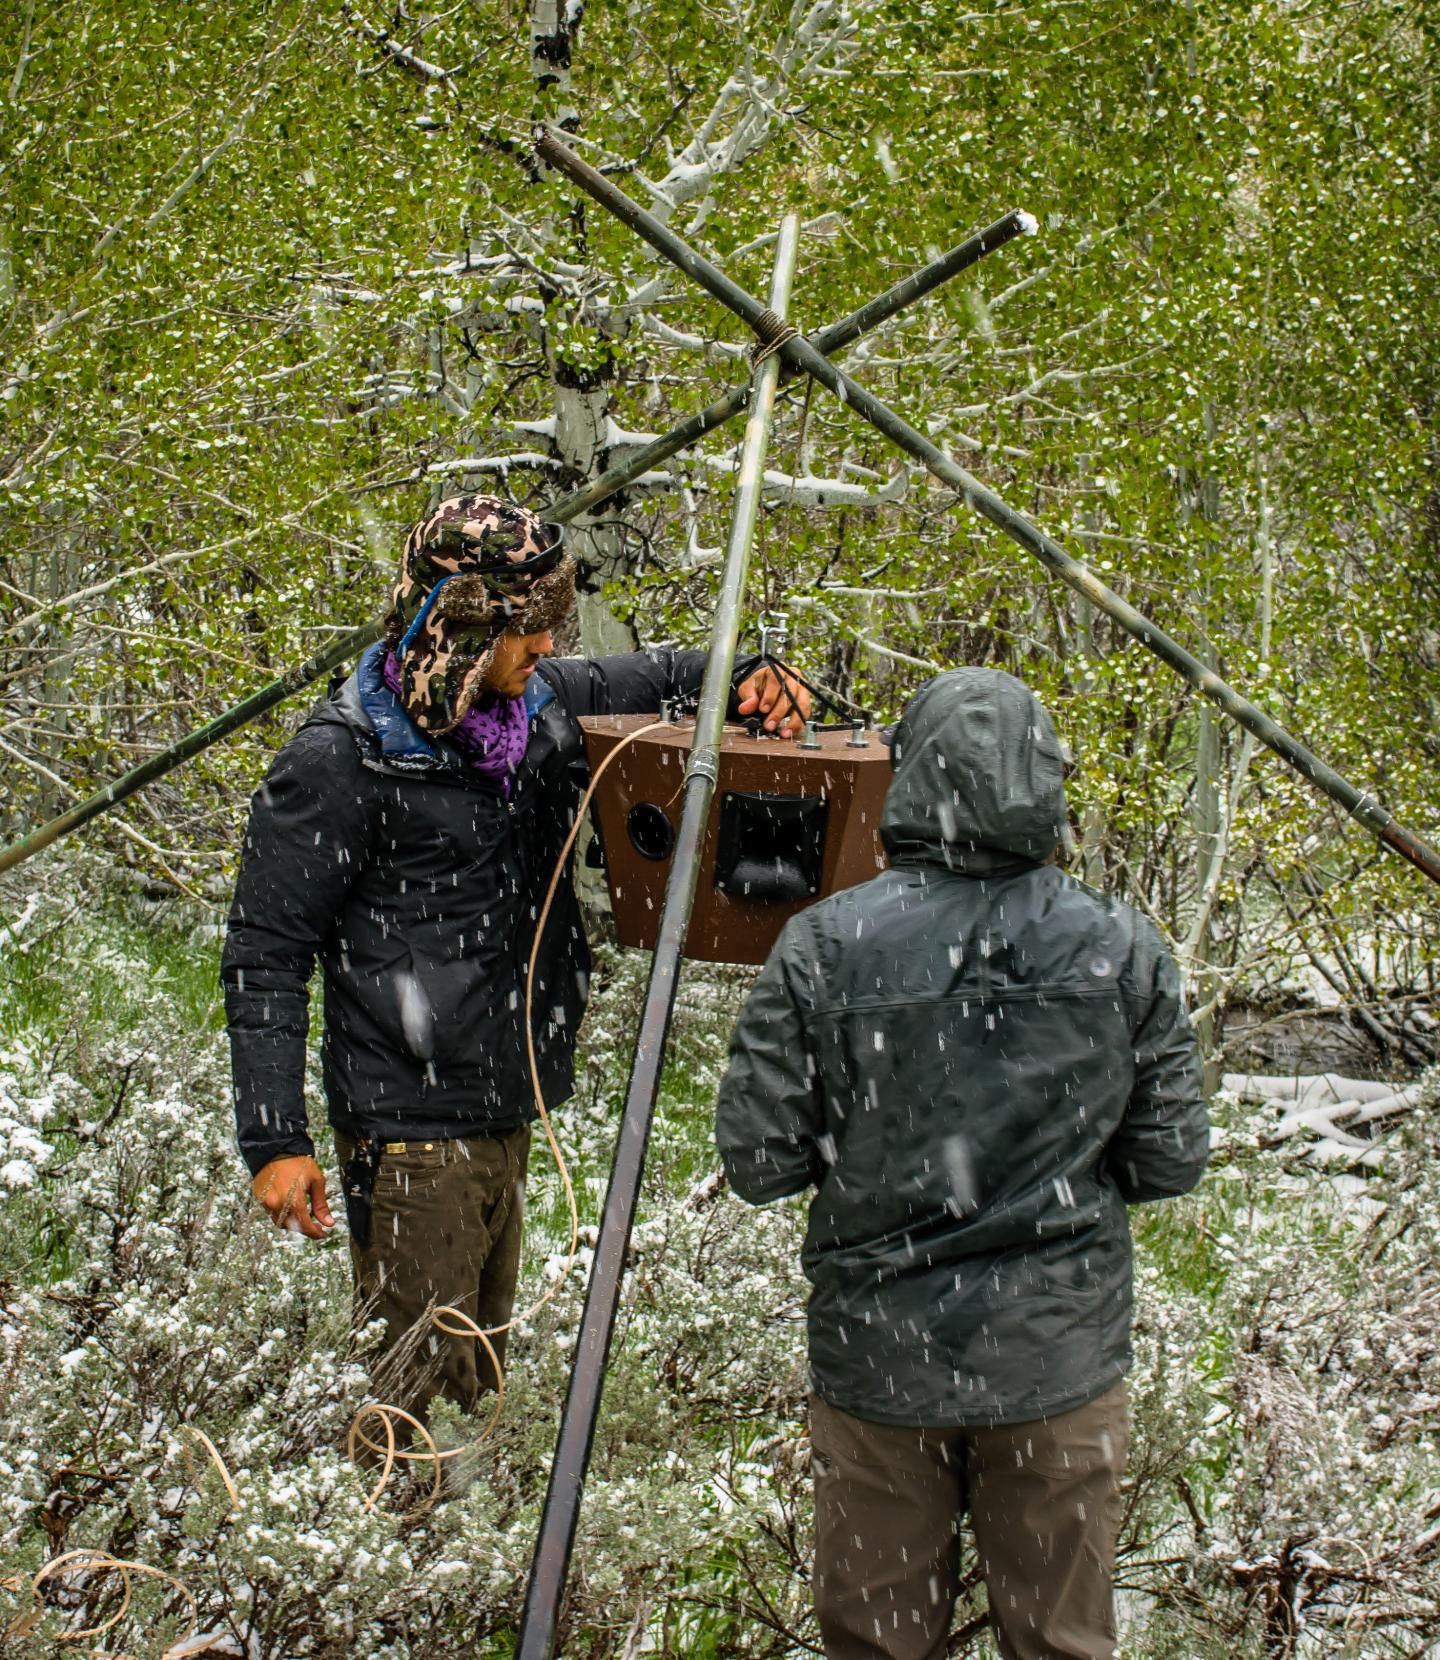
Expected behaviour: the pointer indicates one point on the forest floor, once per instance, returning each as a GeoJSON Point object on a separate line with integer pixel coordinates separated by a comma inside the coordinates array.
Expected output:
{"type": "Point", "coordinates": [1285, 1483]}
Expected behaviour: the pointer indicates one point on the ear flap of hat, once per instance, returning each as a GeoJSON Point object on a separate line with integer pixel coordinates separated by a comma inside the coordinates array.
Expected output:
{"type": "Point", "coordinates": [549, 602]}
{"type": "Point", "coordinates": [468, 602]}
{"type": "Point", "coordinates": [442, 667]}
{"type": "Point", "coordinates": [475, 569]}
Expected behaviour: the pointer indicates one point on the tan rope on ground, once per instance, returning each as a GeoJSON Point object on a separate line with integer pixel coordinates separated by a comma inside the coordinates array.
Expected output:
{"type": "Point", "coordinates": [216, 1460]}
{"type": "Point", "coordinates": [459, 1323]}
{"type": "Point", "coordinates": [387, 1416]}
{"type": "Point", "coordinates": [103, 1562]}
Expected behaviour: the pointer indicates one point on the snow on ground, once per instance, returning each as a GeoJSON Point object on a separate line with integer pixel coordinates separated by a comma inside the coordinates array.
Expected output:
{"type": "Point", "coordinates": [1285, 1462]}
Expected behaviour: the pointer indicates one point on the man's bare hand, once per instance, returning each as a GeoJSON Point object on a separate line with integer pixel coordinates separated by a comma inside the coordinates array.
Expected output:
{"type": "Point", "coordinates": [292, 1190]}
{"type": "Point", "coordinates": [778, 698]}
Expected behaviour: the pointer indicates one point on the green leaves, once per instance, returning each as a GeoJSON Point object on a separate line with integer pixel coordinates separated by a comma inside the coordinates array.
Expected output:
{"type": "Point", "coordinates": [265, 278]}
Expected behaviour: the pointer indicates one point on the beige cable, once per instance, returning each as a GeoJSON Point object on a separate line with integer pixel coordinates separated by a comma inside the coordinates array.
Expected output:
{"type": "Point", "coordinates": [23, 1624]}
{"type": "Point", "coordinates": [104, 1562]}
{"type": "Point", "coordinates": [216, 1460]}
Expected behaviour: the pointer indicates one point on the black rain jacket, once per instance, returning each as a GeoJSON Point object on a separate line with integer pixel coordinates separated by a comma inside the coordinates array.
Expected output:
{"type": "Point", "coordinates": [417, 885]}
{"type": "Point", "coordinates": [978, 1062]}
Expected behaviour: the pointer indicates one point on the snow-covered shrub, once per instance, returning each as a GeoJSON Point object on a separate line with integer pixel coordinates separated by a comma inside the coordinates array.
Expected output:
{"type": "Point", "coordinates": [1284, 1495]}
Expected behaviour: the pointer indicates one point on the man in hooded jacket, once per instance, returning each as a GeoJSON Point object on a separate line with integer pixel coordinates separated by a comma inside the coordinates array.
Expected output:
{"type": "Point", "coordinates": [978, 1063]}
{"type": "Point", "coordinates": [405, 837]}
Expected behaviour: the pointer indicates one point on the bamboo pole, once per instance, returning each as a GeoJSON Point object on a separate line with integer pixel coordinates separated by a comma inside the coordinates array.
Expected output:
{"type": "Point", "coordinates": [551, 1562]}
{"type": "Point", "coordinates": [828, 341]}
{"type": "Point", "coordinates": [1357, 803]}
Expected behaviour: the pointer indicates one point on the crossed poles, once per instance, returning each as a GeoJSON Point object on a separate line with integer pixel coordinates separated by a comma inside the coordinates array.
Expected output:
{"type": "Point", "coordinates": [554, 1544]}
{"type": "Point", "coordinates": [828, 342]}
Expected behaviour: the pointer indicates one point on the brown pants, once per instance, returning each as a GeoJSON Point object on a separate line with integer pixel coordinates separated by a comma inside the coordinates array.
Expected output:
{"type": "Point", "coordinates": [1043, 1500]}
{"type": "Point", "coordinates": [444, 1229]}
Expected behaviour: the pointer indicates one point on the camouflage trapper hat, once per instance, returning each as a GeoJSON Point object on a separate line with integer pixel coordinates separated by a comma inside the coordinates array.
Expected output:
{"type": "Point", "coordinates": [476, 568]}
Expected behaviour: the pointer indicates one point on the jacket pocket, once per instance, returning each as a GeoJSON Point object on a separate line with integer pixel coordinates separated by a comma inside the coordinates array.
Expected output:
{"type": "Point", "coordinates": [405, 1184]}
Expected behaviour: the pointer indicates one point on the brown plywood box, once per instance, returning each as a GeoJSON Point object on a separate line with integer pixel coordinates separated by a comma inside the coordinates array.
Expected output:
{"type": "Point", "coordinates": [787, 826]}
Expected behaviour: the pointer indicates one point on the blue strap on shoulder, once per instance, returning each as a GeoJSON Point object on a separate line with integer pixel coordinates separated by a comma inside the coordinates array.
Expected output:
{"type": "Point", "coordinates": [421, 615]}
{"type": "Point", "coordinates": [538, 692]}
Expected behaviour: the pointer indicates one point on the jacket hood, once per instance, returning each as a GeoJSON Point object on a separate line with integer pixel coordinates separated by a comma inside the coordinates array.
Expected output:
{"type": "Point", "coordinates": [978, 775]}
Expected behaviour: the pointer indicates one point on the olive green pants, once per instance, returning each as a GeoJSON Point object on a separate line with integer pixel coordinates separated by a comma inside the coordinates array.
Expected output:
{"type": "Point", "coordinates": [445, 1224]}
{"type": "Point", "coordinates": [1044, 1502]}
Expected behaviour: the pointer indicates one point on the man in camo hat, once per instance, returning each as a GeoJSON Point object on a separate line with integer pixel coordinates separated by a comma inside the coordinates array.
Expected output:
{"type": "Point", "coordinates": [405, 837]}
{"type": "Point", "coordinates": [474, 573]}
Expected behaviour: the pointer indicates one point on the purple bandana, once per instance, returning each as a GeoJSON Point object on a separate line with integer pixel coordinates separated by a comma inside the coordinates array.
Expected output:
{"type": "Point", "coordinates": [492, 736]}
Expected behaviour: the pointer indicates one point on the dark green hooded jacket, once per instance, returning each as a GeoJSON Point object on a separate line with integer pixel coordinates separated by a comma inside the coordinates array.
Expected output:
{"type": "Point", "coordinates": [978, 1063]}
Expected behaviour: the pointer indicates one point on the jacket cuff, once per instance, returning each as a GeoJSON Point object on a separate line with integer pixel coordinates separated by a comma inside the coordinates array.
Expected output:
{"type": "Point", "coordinates": [761, 1178]}
{"type": "Point", "coordinates": [258, 1154]}
{"type": "Point", "coordinates": [744, 668]}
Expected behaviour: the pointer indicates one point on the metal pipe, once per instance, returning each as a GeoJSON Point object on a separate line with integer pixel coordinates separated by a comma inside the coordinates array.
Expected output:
{"type": "Point", "coordinates": [248, 709]}
{"type": "Point", "coordinates": [582, 1402]}
{"type": "Point", "coordinates": [1360, 805]}
{"type": "Point", "coordinates": [834, 338]}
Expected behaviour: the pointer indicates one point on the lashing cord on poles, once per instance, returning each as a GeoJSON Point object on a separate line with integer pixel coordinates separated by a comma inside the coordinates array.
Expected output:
{"type": "Point", "coordinates": [773, 332]}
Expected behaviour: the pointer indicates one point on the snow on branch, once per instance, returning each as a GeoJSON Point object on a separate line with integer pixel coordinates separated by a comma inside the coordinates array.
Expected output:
{"type": "Point", "coordinates": [613, 436]}
{"type": "Point", "coordinates": [382, 40]}
{"type": "Point", "coordinates": [807, 602]}
{"type": "Point", "coordinates": [689, 342]}
{"type": "Point", "coordinates": [1051, 377]}
{"type": "Point", "coordinates": [809, 491]}
{"type": "Point", "coordinates": [803, 491]}
{"type": "Point", "coordinates": [467, 265]}
{"type": "Point", "coordinates": [495, 464]}
{"type": "Point", "coordinates": [1328, 1106]}
{"type": "Point", "coordinates": [742, 113]}
{"type": "Point", "coordinates": [905, 595]}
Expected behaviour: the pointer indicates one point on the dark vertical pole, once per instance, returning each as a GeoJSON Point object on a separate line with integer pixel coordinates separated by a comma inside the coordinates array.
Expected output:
{"type": "Point", "coordinates": [1360, 805]}
{"type": "Point", "coordinates": [828, 341]}
{"type": "Point", "coordinates": [551, 1563]}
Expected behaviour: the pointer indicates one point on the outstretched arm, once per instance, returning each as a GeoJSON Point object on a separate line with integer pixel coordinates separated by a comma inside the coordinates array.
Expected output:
{"type": "Point", "coordinates": [641, 682]}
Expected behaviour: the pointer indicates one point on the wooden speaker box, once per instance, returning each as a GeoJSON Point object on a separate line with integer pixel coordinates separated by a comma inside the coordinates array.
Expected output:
{"type": "Point", "coordinates": [787, 825]}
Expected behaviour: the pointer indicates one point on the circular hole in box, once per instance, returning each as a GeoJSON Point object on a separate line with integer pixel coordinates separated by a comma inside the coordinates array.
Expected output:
{"type": "Point", "coordinates": [651, 833]}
